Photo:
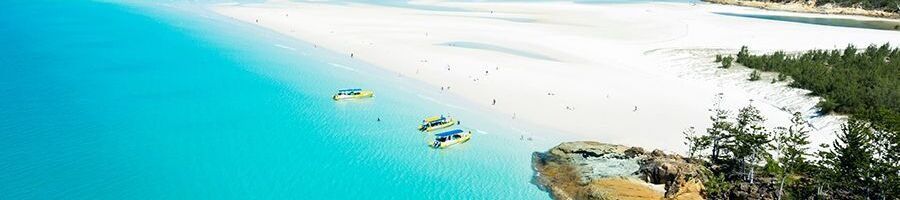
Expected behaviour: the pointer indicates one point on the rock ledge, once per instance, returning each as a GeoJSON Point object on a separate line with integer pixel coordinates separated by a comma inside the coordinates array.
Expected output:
{"type": "Point", "coordinates": [594, 170]}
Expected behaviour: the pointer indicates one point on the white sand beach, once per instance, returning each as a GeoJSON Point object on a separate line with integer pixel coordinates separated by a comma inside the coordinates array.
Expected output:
{"type": "Point", "coordinates": [636, 74]}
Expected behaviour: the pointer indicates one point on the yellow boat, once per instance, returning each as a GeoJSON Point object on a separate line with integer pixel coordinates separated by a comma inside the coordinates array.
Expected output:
{"type": "Point", "coordinates": [436, 123]}
{"type": "Point", "coordinates": [355, 93]}
{"type": "Point", "coordinates": [450, 138]}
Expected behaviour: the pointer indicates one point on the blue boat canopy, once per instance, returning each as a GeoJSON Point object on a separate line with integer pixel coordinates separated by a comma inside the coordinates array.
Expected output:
{"type": "Point", "coordinates": [449, 133]}
{"type": "Point", "coordinates": [350, 90]}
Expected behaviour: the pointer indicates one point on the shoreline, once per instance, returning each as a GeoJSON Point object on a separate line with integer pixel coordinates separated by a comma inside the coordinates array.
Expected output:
{"type": "Point", "coordinates": [805, 8]}
{"type": "Point", "coordinates": [490, 128]}
{"type": "Point", "coordinates": [597, 84]}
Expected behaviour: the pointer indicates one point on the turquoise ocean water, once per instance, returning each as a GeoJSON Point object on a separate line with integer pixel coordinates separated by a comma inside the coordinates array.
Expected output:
{"type": "Point", "coordinates": [112, 100]}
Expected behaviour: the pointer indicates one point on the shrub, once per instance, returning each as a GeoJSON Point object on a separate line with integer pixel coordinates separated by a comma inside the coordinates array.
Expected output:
{"type": "Point", "coordinates": [826, 106]}
{"type": "Point", "coordinates": [782, 77]}
{"type": "Point", "coordinates": [726, 62]}
{"type": "Point", "coordinates": [754, 76]}
{"type": "Point", "coordinates": [716, 185]}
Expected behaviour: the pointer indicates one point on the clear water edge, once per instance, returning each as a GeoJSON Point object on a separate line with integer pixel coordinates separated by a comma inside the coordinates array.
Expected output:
{"type": "Point", "coordinates": [824, 21]}
{"type": "Point", "coordinates": [204, 112]}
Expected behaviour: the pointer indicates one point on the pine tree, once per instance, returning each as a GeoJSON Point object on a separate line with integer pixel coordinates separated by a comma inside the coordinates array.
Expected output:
{"type": "Point", "coordinates": [861, 82]}
{"type": "Point", "coordinates": [742, 55]}
{"type": "Point", "coordinates": [887, 161]}
{"type": "Point", "coordinates": [696, 143]}
{"type": "Point", "coordinates": [718, 135]}
{"type": "Point", "coordinates": [791, 144]}
{"type": "Point", "coordinates": [750, 139]}
{"type": "Point", "coordinates": [853, 160]}
{"type": "Point", "coordinates": [824, 176]}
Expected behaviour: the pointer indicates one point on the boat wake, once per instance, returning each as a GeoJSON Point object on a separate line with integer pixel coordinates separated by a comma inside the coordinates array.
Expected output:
{"type": "Point", "coordinates": [342, 66]}
{"type": "Point", "coordinates": [285, 47]}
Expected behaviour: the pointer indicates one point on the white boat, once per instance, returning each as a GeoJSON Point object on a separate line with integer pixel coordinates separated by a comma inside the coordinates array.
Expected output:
{"type": "Point", "coordinates": [354, 93]}
{"type": "Point", "coordinates": [450, 138]}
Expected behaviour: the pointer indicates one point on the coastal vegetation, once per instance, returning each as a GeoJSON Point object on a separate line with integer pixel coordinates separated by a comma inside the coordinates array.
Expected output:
{"type": "Point", "coordinates": [873, 8]}
{"type": "Point", "coordinates": [882, 5]}
{"type": "Point", "coordinates": [747, 160]}
{"type": "Point", "coordinates": [725, 60]}
{"type": "Point", "coordinates": [754, 76]}
{"type": "Point", "coordinates": [863, 83]}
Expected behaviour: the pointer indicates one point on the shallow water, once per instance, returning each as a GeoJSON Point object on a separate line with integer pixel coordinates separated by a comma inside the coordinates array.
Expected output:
{"type": "Point", "coordinates": [155, 101]}
{"type": "Point", "coordinates": [839, 22]}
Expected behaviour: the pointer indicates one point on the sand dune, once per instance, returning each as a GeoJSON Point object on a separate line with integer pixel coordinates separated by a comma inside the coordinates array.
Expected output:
{"type": "Point", "coordinates": [635, 74]}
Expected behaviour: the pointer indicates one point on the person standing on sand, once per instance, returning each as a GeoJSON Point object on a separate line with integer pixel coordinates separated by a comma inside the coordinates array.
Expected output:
{"type": "Point", "coordinates": [351, 55]}
{"type": "Point", "coordinates": [495, 102]}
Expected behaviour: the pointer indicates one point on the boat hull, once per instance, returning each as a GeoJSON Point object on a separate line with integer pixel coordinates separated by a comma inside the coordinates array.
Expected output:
{"type": "Point", "coordinates": [361, 95]}
{"type": "Point", "coordinates": [443, 145]}
{"type": "Point", "coordinates": [449, 124]}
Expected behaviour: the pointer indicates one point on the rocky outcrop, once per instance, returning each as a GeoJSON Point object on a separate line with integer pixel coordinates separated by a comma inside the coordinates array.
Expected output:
{"type": "Point", "coordinates": [593, 170]}
{"type": "Point", "coordinates": [680, 177]}
{"type": "Point", "coordinates": [764, 189]}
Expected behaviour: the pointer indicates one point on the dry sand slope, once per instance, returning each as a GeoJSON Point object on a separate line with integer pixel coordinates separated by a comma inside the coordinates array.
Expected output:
{"type": "Point", "coordinates": [634, 74]}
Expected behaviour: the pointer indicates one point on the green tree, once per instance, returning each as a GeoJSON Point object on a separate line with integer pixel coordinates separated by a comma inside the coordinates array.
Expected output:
{"type": "Point", "coordinates": [863, 163]}
{"type": "Point", "coordinates": [750, 139]}
{"type": "Point", "coordinates": [696, 143]}
{"type": "Point", "coordinates": [791, 143]}
{"type": "Point", "coordinates": [824, 176]}
{"type": "Point", "coordinates": [862, 82]}
{"type": "Point", "coordinates": [718, 135]}
{"type": "Point", "coordinates": [887, 161]}
{"type": "Point", "coordinates": [743, 54]}
{"type": "Point", "coordinates": [853, 160]}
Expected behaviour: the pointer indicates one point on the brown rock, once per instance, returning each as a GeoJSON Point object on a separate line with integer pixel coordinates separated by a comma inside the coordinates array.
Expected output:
{"type": "Point", "coordinates": [581, 170]}
{"type": "Point", "coordinates": [674, 173]}
{"type": "Point", "coordinates": [657, 153]}
{"type": "Point", "coordinates": [635, 152]}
